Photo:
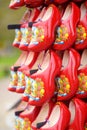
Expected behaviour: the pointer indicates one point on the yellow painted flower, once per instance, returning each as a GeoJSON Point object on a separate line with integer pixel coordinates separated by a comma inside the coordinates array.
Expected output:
{"type": "Point", "coordinates": [84, 35]}
{"type": "Point", "coordinates": [60, 81]}
{"type": "Point", "coordinates": [35, 85]}
{"type": "Point", "coordinates": [60, 91]}
{"type": "Point", "coordinates": [82, 82]}
{"type": "Point", "coordinates": [81, 34]}
{"type": "Point", "coordinates": [86, 84]}
{"type": "Point", "coordinates": [27, 32]}
{"type": "Point", "coordinates": [63, 85]}
{"type": "Point", "coordinates": [42, 37]}
{"type": "Point", "coordinates": [29, 82]}
{"type": "Point", "coordinates": [66, 35]}
{"type": "Point", "coordinates": [80, 79]}
{"type": "Point", "coordinates": [42, 92]}
{"type": "Point", "coordinates": [37, 90]}
{"type": "Point", "coordinates": [67, 86]}
{"type": "Point", "coordinates": [19, 33]}
{"type": "Point", "coordinates": [42, 83]}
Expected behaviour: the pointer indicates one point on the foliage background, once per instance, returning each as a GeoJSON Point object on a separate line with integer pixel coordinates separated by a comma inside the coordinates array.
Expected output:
{"type": "Point", "coordinates": [8, 54]}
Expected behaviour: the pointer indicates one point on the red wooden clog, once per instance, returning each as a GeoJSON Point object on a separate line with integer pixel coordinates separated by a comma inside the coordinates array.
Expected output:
{"type": "Point", "coordinates": [44, 30]}
{"type": "Point", "coordinates": [78, 114]}
{"type": "Point", "coordinates": [82, 76]}
{"type": "Point", "coordinates": [34, 3]}
{"type": "Point", "coordinates": [15, 4]}
{"type": "Point", "coordinates": [27, 31]}
{"type": "Point", "coordinates": [81, 40]}
{"type": "Point", "coordinates": [31, 58]}
{"type": "Point", "coordinates": [14, 77]}
{"type": "Point", "coordinates": [44, 79]}
{"type": "Point", "coordinates": [66, 32]}
{"type": "Point", "coordinates": [67, 83]}
{"type": "Point", "coordinates": [58, 119]}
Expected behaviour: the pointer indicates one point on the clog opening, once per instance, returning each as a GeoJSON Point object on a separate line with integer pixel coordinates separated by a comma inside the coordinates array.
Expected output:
{"type": "Point", "coordinates": [54, 117]}
{"type": "Point", "coordinates": [65, 59]}
{"type": "Point", "coordinates": [83, 59]}
{"type": "Point", "coordinates": [43, 114]}
{"type": "Point", "coordinates": [21, 59]}
{"type": "Point", "coordinates": [29, 58]}
{"type": "Point", "coordinates": [48, 14]}
{"type": "Point", "coordinates": [67, 12]}
{"type": "Point", "coordinates": [83, 10]}
{"type": "Point", "coordinates": [72, 111]}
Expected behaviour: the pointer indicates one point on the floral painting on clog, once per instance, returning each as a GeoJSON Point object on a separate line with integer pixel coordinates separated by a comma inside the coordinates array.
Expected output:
{"type": "Point", "coordinates": [82, 88]}
{"type": "Point", "coordinates": [37, 35]}
{"type": "Point", "coordinates": [18, 123]}
{"type": "Point", "coordinates": [63, 85]}
{"type": "Point", "coordinates": [34, 88]}
{"type": "Point", "coordinates": [14, 79]}
{"type": "Point", "coordinates": [21, 80]}
{"type": "Point", "coordinates": [18, 36]}
{"type": "Point", "coordinates": [26, 36]}
{"type": "Point", "coordinates": [81, 34]}
{"type": "Point", "coordinates": [37, 90]}
{"type": "Point", "coordinates": [26, 124]}
{"type": "Point", "coordinates": [28, 86]}
{"type": "Point", "coordinates": [61, 34]}
{"type": "Point", "coordinates": [22, 124]}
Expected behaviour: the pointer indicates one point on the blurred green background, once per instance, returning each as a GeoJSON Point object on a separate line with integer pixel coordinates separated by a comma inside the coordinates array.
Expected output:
{"type": "Point", "coordinates": [8, 54]}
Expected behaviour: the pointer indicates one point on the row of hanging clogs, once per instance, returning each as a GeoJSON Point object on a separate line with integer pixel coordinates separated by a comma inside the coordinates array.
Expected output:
{"type": "Point", "coordinates": [47, 76]}
{"type": "Point", "coordinates": [35, 74]}
{"type": "Point", "coordinates": [52, 116]}
{"type": "Point", "coordinates": [16, 4]}
{"type": "Point", "coordinates": [40, 68]}
{"type": "Point", "coordinates": [37, 32]}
